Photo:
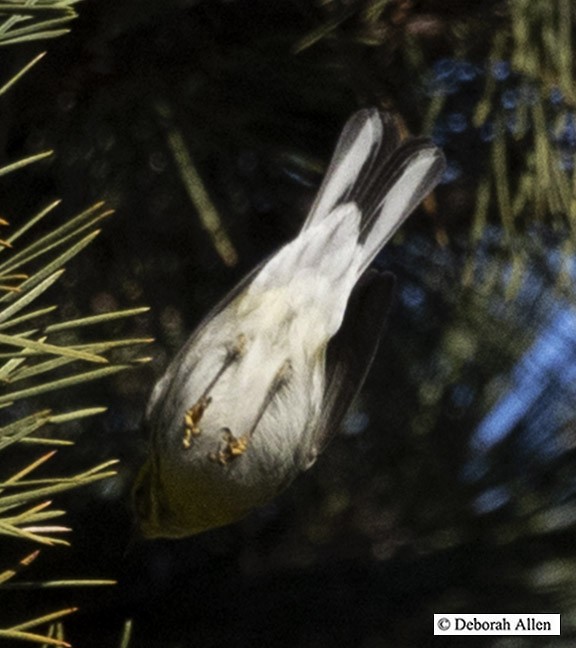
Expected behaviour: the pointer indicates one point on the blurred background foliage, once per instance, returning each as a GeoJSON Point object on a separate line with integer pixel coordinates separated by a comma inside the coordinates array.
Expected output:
{"type": "Point", "coordinates": [207, 125]}
{"type": "Point", "coordinates": [41, 352]}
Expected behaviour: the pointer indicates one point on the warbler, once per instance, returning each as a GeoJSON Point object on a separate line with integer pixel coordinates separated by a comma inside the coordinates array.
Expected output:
{"type": "Point", "coordinates": [261, 385]}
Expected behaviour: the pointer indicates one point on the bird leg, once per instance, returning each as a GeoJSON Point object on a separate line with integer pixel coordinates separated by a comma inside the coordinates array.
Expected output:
{"type": "Point", "coordinates": [234, 446]}
{"type": "Point", "coordinates": [193, 415]}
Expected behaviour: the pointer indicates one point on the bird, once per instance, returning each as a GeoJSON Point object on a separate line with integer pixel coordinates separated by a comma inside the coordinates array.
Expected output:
{"type": "Point", "coordinates": [262, 384]}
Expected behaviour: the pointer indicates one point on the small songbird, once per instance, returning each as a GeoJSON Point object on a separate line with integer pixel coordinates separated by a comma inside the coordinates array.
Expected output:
{"type": "Point", "coordinates": [255, 393]}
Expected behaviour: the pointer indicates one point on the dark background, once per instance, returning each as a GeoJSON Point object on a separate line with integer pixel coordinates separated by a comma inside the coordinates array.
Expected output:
{"type": "Point", "coordinates": [451, 486]}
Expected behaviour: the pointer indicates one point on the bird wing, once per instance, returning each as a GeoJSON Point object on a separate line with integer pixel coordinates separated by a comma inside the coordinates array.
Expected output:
{"type": "Point", "coordinates": [351, 351]}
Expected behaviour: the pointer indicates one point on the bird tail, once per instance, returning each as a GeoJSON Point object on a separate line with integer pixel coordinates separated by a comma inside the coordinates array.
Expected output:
{"type": "Point", "coordinates": [372, 185]}
{"type": "Point", "coordinates": [382, 177]}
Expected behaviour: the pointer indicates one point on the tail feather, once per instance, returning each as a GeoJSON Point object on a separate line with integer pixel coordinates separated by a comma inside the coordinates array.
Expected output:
{"type": "Point", "coordinates": [407, 178]}
{"type": "Point", "coordinates": [385, 179]}
{"type": "Point", "coordinates": [366, 137]}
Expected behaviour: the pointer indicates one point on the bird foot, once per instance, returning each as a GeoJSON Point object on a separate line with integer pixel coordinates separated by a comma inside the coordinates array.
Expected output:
{"type": "Point", "coordinates": [233, 448]}
{"type": "Point", "coordinates": [192, 419]}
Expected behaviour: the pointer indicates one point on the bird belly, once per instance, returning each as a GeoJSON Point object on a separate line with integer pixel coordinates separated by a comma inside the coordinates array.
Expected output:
{"type": "Point", "coordinates": [249, 440]}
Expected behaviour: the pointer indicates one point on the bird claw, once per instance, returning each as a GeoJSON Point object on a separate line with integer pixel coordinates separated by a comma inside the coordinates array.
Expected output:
{"type": "Point", "coordinates": [234, 447]}
{"type": "Point", "coordinates": [192, 418]}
